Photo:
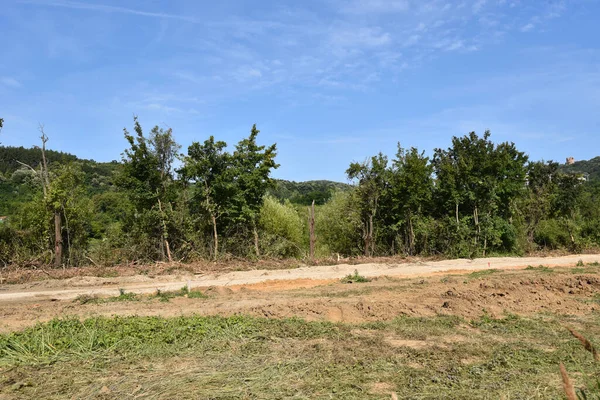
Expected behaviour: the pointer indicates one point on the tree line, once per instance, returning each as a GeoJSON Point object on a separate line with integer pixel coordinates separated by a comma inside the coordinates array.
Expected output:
{"type": "Point", "coordinates": [474, 198]}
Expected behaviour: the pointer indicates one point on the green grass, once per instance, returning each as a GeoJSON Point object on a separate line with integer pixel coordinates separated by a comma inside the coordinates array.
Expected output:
{"type": "Point", "coordinates": [483, 273]}
{"type": "Point", "coordinates": [123, 296]}
{"type": "Point", "coordinates": [354, 278]}
{"type": "Point", "coordinates": [539, 268]}
{"type": "Point", "coordinates": [163, 296]}
{"type": "Point", "coordinates": [252, 358]}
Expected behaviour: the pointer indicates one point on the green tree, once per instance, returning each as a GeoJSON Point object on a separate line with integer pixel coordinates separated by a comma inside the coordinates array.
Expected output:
{"type": "Point", "coordinates": [411, 190]}
{"type": "Point", "coordinates": [147, 178]}
{"type": "Point", "coordinates": [251, 171]}
{"type": "Point", "coordinates": [373, 180]}
{"type": "Point", "coordinates": [210, 168]}
{"type": "Point", "coordinates": [481, 181]}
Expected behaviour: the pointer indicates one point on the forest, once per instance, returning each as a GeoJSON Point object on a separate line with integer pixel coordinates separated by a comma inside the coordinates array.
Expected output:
{"type": "Point", "coordinates": [210, 201]}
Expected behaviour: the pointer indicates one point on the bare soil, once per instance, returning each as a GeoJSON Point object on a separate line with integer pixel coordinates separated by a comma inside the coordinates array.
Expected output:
{"type": "Point", "coordinates": [467, 288]}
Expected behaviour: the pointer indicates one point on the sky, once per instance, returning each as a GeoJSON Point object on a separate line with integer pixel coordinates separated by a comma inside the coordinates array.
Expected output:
{"type": "Point", "coordinates": [329, 81]}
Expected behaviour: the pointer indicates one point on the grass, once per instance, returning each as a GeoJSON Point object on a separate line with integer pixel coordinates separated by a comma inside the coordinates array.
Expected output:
{"type": "Point", "coordinates": [250, 358]}
{"type": "Point", "coordinates": [483, 273]}
{"type": "Point", "coordinates": [539, 268]}
{"type": "Point", "coordinates": [355, 278]}
{"type": "Point", "coordinates": [123, 296]}
{"type": "Point", "coordinates": [163, 296]}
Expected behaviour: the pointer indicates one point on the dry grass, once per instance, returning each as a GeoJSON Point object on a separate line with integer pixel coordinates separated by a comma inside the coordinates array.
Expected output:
{"type": "Point", "coordinates": [567, 385]}
{"type": "Point", "coordinates": [585, 342]}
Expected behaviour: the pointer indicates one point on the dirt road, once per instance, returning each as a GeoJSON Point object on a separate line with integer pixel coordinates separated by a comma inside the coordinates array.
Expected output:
{"type": "Point", "coordinates": [266, 279]}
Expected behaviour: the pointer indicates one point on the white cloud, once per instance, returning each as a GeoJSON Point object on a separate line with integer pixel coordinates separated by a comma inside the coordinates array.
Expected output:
{"type": "Point", "coordinates": [110, 9]}
{"type": "Point", "coordinates": [361, 37]}
{"type": "Point", "coordinates": [528, 27]}
{"type": "Point", "coordinates": [11, 82]}
{"type": "Point", "coordinates": [376, 6]}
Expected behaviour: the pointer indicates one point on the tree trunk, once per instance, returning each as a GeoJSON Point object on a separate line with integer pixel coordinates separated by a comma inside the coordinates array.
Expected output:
{"type": "Point", "coordinates": [256, 242]}
{"type": "Point", "coordinates": [411, 232]}
{"type": "Point", "coordinates": [164, 232]}
{"type": "Point", "coordinates": [311, 226]}
{"type": "Point", "coordinates": [478, 229]}
{"type": "Point", "coordinates": [215, 237]}
{"type": "Point", "coordinates": [58, 242]}
{"type": "Point", "coordinates": [370, 235]}
{"type": "Point", "coordinates": [457, 221]}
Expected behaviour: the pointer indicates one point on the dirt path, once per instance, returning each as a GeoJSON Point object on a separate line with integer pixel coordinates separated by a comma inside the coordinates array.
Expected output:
{"type": "Point", "coordinates": [265, 280]}
{"type": "Point", "coordinates": [432, 290]}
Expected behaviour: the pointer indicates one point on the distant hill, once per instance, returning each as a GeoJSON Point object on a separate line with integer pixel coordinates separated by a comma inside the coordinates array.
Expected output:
{"type": "Point", "coordinates": [305, 192]}
{"type": "Point", "coordinates": [16, 188]}
{"type": "Point", "coordinates": [591, 167]}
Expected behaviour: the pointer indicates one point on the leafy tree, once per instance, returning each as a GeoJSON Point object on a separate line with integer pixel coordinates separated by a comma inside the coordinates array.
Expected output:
{"type": "Point", "coordinates": [251, 171]}
{"type": "Point", "coordinates": [210, 168]}
{"type": "Point", "coordinates": [480, 180]}
{"type": "Point", "coordinates": [147, 178]}
{"type": "Point", "coordinates": [411, 190]}
{"type": "Point", "coordinates": [541, 189]}
{"type": "Point", "coordinates": [373, 180]}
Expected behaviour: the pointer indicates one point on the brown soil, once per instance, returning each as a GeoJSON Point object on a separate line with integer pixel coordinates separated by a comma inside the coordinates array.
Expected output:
{"type": "Point", "coordinates": [562, 290]}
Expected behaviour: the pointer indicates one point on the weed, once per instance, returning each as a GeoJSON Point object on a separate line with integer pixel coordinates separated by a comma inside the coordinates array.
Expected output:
{"type": "Point", "coordinates": [87, 299]}
{"type": "Point", "coordinates": [355, 278]}
{"type": "Point", "coordinates": [539, 268]}
{"type": "Point", "coordinates": [580, 263]}
{"type": "Point", "coordinates": [196, 294]}
{"type": "Point", "coordinates": [123, 296]}
{"type": "Point", "coordinates": [482, 273]}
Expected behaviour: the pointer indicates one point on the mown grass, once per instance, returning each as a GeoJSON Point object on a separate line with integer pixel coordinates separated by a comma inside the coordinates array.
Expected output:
{"type": "Point", "coordinates": [251, 358]}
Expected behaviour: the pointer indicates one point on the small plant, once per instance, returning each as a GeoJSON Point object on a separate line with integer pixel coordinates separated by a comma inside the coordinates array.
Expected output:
{"type": "Point", "coordinates": [580, 263]}
{"type": "Point", "coordinates": [540, 268]}
{"type": "Point", "coordinates": [355, 278]}
{"type": "Point", "coordinates": [124, 296]}
{"type": "Point", "coordinates": [483, 273]}
{"type": "Point", "coordinates": [86, 299]}
{"type": "Point", "coordinates": [196, 294]}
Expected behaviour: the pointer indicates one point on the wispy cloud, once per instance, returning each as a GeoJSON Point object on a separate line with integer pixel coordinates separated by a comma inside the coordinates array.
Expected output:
{"type": "Point", "coordinates": [366, 36]}
{"type": "Point", "coordinates": [110, 9]}
{"type": "Point", "coordinates": [11, 82]}
{"type": "Point", "coordinates": [376, 6]}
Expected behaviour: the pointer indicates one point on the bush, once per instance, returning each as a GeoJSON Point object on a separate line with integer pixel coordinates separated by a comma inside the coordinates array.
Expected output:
{"type": "Point", "coordinates": [338, 226]}
{"type": "Point", "coordinates": [281, 228]}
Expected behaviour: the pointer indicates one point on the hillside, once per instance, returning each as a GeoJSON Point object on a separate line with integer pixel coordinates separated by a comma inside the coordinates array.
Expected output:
{"type": "Point", "coordinates": [304, 193]}
{"type": "Point", "coordinates": [17, 187]}
{"type": "Point", "coordinates": [591, 167]}
{"type": "Point", "coordinates": [17, 182]}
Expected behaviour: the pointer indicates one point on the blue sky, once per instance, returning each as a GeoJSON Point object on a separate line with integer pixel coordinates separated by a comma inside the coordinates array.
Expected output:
{"type": "Point", "coordinates": [331, 81]}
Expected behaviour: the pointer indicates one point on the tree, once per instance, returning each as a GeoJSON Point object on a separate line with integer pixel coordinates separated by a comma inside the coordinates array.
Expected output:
{"type": "Point", "coordinates": [482, 179]}
{"type": "Point", "coordinates": [209, 167]}
{"type": "Point", "coordinates": [147, 177]}
{"type": "Point", "coordinates": [541, 189]}
{"type": "Point", "coordinates": [411, 190]}
{"type": "Point", "coordinates": [372, 178]}
{"type": "Point", "coordinates": [251, 171]}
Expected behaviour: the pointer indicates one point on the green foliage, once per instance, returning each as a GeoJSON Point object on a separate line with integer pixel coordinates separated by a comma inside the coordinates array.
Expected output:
{"type": "Point", "coordinates": [281, 226]}
{"type": "Point", "coordinates": [354, 278]}
{"type": "Point", "coordinates": [337, 226]}
{"type": "Point", "coordinates": [474, 198]}
{"type": "Point", "coordinates": [304, 193]}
